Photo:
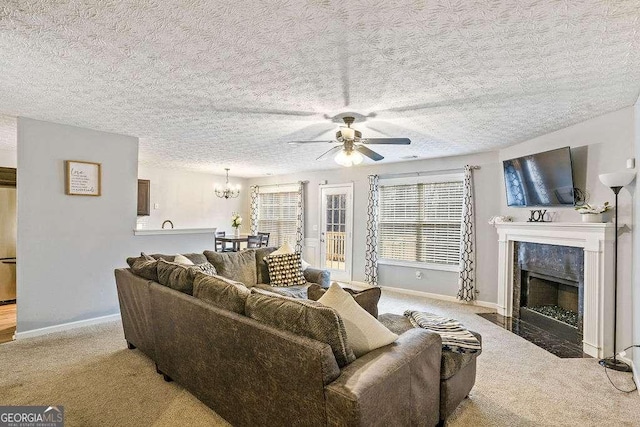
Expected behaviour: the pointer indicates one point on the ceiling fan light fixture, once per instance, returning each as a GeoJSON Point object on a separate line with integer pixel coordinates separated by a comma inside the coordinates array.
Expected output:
{"type": "Point", "coordinates": [347, 133]}
{"type": "Point", "coordinates": [348, 159]}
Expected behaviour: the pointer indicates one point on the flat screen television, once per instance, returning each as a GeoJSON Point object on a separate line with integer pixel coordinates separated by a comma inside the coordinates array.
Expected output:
{"type": "Point", "coordinates": [543, 179]}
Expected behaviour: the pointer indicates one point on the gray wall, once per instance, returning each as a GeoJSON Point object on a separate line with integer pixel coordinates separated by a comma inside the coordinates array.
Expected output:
{"type": "Point", "coordinates": [68, 246]}
{"type": "Point", "coordinates": [488, 189]}
{"type": "Point", "coordinates": [599, 145]}
{"type": "Point", "coordinates": [636, 254]}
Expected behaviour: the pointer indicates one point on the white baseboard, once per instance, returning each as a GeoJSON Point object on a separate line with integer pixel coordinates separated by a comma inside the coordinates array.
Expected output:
{"type": "Point", "coordinates": [363, 285]}
{"type": "Point", "coordinates": [66, 326]}
{"type": "Point", "coordinates": [449, 298]}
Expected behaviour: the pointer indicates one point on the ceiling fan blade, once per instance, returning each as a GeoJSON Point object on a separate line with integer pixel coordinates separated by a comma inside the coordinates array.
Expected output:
{"type": "Point", "coordinates": [396, 141]}
{"type": "Point", "coordinates": [328, 153]}
{"type": "Point", "coordinates": [311, 142]}
{"type": "Point", "coordinates": [369, 153]}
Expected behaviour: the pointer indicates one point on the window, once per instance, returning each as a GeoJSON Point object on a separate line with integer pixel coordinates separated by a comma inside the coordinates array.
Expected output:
{"type": "Point", "coordinates": [420, 221]}
{"type": "Point", "coordinates": [278, 215]}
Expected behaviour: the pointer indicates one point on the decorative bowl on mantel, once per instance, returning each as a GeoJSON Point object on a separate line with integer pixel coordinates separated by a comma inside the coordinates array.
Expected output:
{"type": "Point", "coordinates": [591, 217]}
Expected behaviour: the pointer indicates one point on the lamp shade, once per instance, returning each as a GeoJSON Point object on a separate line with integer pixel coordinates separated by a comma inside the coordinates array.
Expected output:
{"type": "Point", "coordinates": [617, 179]}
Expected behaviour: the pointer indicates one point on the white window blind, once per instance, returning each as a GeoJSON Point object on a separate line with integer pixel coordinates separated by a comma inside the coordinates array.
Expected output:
{"type": "Point", "coordinates": [421, 222]}
{"type": "Point", "coordinates": [277, 214]}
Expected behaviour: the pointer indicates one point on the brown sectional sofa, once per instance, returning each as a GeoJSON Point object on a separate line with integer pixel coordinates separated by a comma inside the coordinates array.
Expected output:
{"type": "Point", "coordinates": [254, 374]}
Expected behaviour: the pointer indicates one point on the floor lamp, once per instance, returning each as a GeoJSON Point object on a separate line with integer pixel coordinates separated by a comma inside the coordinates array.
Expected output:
{"type": "Point", "coordinates": [616, 181]}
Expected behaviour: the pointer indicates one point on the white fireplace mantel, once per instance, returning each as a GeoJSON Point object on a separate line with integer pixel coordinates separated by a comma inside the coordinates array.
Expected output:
{"type": "Point", "coordinates": [597, 240]}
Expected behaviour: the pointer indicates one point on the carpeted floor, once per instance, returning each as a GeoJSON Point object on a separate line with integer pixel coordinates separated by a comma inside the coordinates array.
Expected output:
{"type": "Point", "coordinates": [101, 383]}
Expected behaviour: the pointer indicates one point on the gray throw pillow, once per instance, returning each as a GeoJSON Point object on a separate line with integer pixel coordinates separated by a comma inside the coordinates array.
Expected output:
{"type": "Point", "coordinates": [367, 299]}
{"type": "Point", "coordinates": [301, 317]}
{"type": "Point", "coordinates": [144, 266]}
{"type": "Point", "coordinates": [221, 292]}
{"type": "Point", "coordinates": [262, 269]}
{"type": "Point", "coordinates": [177, 276]}
{"type": "Point", "coordinates": [240, 266]}
{"type": "Point", "coordinates": [285, 270]}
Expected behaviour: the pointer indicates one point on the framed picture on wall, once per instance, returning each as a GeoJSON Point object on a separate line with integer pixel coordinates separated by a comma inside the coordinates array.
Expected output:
{"type": "Point", "coordinates": [82, 178]}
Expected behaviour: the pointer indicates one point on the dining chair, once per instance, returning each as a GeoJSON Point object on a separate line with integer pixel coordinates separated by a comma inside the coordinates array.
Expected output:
{"type": "Point", "coordinates": [220, 246]}
{"type": "Point", "coordinates": [264, 238]}
{"type": "Point", "coordinates": [253, 241]}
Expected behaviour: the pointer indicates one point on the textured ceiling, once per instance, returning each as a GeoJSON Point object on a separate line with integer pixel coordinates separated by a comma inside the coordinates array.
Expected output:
{"type": "Point", "coordinates": [208, 85]}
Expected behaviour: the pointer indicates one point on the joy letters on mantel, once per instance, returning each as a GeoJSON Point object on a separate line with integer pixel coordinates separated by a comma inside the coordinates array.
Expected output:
{"type": "Point", "coordinates": [82, 178]}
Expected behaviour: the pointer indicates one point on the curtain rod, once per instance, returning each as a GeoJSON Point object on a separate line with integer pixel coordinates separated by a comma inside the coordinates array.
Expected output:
{"type": "Point", "coordinates": [281, 184]}
{"type": "Point", "coordinates": [423, 173]}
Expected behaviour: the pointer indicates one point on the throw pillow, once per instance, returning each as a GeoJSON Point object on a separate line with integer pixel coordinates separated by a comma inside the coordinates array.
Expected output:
{"type": "Point", "coordinates": [287, 249]}
{"type": "Point", "coordinates": [194, 258]}
{"type": "Point", "coordinates": [285, 270]}
{"type": "Point", "coordinates": [208, 269]}
{"type": "Point", "coordinates": [240, 266]}
{"type": "Point", "coordinates": [367, 299]}
{"type": "Point", "coordinates": [301, 317]}
{"type": "Point", "coordinates": [144, 266]}
{"type": "Point", "coordinates": [176, 276]}
{"type": "Point", "coordinates": [364, 332]}
{"type": "Point", "coordinates": [181, 259]}
{"type": "Point", "coordinates": [223, 293]}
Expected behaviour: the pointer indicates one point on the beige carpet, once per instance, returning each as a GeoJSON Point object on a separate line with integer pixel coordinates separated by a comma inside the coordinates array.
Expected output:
{"type": "Point", "coordinates": [101, 383]}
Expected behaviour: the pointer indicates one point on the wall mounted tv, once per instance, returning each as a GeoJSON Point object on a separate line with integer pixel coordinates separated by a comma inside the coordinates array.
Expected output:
{"type": "Point", "coordinates": [543, 179]}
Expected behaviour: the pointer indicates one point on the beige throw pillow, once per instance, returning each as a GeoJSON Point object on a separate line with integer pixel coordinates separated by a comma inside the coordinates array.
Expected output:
{"type": "Point", "coordinates": [181, 259]}
{"type": "Point", "coordinates": [364, 332]}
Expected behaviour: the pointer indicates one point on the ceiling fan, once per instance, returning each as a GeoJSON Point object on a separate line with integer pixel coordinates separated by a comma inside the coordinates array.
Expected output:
{"type": "Point", "coordinates": [352, 146]}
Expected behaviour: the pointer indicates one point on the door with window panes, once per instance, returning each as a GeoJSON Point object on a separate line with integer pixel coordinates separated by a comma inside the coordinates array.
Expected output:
{"type": "Point", "coordinates": [336, 230]}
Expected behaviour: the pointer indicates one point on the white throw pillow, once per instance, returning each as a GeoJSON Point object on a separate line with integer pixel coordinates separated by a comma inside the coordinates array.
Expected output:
{"type": "Point", "coordinates": [364, 332]}
{"type": "Point", "coordinates": [286, 249]}
{"type": "Point", "coordinates": [181, 259]}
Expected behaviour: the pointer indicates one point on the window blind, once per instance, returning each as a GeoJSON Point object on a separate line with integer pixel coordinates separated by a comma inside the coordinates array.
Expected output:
{"type": "Point", "coordinates": [421, 222]}
{"type": "Point", "coordinates": [277, 214]}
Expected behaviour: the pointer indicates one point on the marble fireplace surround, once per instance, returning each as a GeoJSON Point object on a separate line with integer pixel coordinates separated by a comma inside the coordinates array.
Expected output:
{"type": "Point", "coordinates": [597, 241]}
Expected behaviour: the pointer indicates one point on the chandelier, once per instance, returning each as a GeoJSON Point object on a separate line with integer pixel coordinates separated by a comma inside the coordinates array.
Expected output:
{"type": "Point", "coordinates": [227, 191]}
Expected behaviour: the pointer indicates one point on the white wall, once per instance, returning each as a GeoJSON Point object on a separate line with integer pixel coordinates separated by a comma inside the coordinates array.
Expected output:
{"type": "Point", "coordinates": [68, 246]}
{"type": "Point", "coordinates": [8, 158]}
{"type": "Point", "coordinates": [187, 199]}
{"type": "Point", "coordinates": [434, 281]}
{"type": "Point", "coordinates": [599, 145]}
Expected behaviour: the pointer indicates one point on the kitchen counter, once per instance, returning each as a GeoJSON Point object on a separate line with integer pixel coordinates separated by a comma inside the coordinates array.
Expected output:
{"type": "Point", "coordinates": [173, 231]}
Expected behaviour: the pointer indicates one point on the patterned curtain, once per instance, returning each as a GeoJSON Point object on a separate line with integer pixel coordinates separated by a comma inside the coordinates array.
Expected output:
{"type": "Point", "coordinates": [371, 253]}
{"type": "Point", "coordinates": [254, 209]}
{"type": "Point", "coordinates": [466, 280]}
{"type": "Point", "coordinates": [300, 219]}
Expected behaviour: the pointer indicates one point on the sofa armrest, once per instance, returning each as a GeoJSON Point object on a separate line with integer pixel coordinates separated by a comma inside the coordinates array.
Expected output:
{"type": "Point", "coordinates": [316, 275]}
{"type": "Point", "coordinates": [398, 384]}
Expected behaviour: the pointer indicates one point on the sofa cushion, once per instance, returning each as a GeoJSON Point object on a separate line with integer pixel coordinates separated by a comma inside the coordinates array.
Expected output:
{"type": "Point", "coordinates": [262, 269]}
{"type": "Point", "coordinates": [176, 276]}
{"type": "Point", "coordinates": [194, 258]}
{"type": "Point", "coordinates": [144, 266]}
{"type": "Point", "coordinates": [364, 332]}
{"type": "Point", "coordinates": [287, 291]}
{"type": "Point", "coordinates": [240, 266]}
{"type": "Point", "coordinates": [285, 270]}
{"type": "Point", "coordinates": [221, 292]}
{"type": "Point", "coordinates": [367, 299]}
{"type": "Point", "coordinates": [301, 317]}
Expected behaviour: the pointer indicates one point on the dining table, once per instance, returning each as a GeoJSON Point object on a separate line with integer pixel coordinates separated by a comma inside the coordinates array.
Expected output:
{"type": "Point", "coordinates": [234, 240]}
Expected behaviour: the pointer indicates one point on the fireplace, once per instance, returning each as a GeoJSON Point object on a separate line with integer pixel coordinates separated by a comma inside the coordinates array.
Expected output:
{"type": "Point", "coordinates": [594, 243]}
{"type": "Point", "coordinates": [549, 284]}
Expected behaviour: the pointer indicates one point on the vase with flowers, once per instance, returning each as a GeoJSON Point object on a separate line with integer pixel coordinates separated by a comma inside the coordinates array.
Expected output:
{"type": "Point", "coordinates": [593, 214]}
{"type": "Point", "coordinates": [236, 221]}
